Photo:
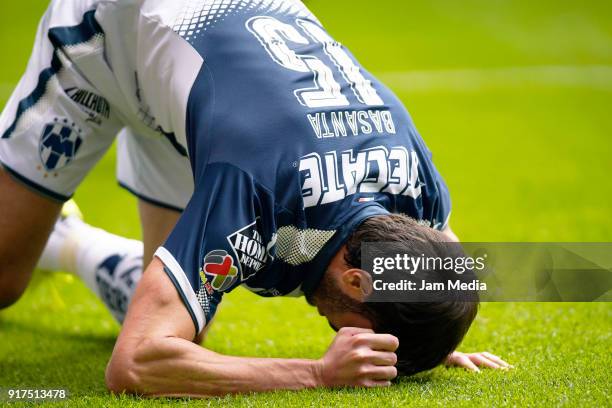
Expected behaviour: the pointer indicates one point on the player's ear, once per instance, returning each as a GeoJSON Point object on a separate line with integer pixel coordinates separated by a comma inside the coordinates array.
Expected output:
{"type": "Point", "coordinates": [356, 283]}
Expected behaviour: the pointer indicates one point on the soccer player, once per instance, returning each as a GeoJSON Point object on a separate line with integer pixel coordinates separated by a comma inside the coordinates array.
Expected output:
{"type": "Point", "coordinates": [274, 149]}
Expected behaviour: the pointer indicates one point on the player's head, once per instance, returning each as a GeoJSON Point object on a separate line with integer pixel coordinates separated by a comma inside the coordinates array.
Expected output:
{"type": "Point", "coordinates": [427, 332]}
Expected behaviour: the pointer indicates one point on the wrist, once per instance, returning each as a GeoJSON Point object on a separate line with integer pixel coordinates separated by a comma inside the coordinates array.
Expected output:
{"type": "Point", "coordinates": [449, 360]}
{"type": "Point", "coordinates": [317, 373]}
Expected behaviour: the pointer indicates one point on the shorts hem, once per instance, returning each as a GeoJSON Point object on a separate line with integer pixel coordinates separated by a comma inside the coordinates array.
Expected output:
{"type": "Point", "coordinates": [37, 188]}
{"type": "Point", "coordinates": [149, 200]}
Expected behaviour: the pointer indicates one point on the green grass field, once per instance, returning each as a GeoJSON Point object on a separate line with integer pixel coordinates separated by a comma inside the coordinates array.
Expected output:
{"type": "Point", "coordinates": [513, 97]}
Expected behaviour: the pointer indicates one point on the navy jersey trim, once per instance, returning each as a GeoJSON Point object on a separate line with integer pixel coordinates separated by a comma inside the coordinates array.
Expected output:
{"type": "Point", "coordinates": [37, 188]}
{"type": "Point", "coordinates": [150, 200]}
{"type": "Point", "coordinates": [182, 296]}
{"type": "Point", "coordinates": [59, 37]}
{"type": "Point", "coordinates": [183, 287]}
{"type": "Point", "coordinates": [171, 137]}
{"type": "Point", "coordinates": [36, 94]}
{"type": "Point", "coordinates": [63, 36]}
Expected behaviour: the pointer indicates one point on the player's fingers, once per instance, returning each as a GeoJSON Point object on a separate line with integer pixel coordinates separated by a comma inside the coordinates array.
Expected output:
{"type": "Point", "coordinates": [381, 358]}
{"type": "Point", "coordinates": [496, 359]}
{"type": "Point", "coordinates": [376, 383]}
{"type": "Point", "coordinates": [465, 362]}
{"type": "Point", "coordinates": [481, 361]}
{"type": "Point", "coordinates": [380, 373]}
{"type": "Point", "coordinates": [380, 342]}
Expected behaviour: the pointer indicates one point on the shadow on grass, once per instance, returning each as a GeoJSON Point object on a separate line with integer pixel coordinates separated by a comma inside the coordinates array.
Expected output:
{"type": "Point", "coordinates": [46, 357]}
{"type": "Point", "coordinates": [53, 333]}
{"type": "Point", "coordinates": [420, 379]}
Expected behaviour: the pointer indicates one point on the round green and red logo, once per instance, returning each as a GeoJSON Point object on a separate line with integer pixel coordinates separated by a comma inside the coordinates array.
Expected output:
{"type": "Point", "coordinates": [219, 270]}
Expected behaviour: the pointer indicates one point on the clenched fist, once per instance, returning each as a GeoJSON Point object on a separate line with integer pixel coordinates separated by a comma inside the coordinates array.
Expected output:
{"type": "Point", "coordinates": [359, 358]}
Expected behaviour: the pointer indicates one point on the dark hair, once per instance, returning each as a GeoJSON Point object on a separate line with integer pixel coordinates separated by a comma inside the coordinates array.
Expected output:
{"type": "Point", "coordinates": [427, 331]}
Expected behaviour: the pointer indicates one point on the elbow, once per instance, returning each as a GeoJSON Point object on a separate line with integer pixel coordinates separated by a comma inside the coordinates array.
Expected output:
{"type": "Point", "coordinates": [121, 377]}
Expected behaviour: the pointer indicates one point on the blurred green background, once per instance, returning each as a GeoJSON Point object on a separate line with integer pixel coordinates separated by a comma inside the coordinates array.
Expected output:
{"type": "Point", "coordinates": [513, 97]}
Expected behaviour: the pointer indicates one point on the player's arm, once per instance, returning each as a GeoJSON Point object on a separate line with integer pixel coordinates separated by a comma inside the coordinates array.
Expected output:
{"type": "Point", "coordinates": [155, 354]}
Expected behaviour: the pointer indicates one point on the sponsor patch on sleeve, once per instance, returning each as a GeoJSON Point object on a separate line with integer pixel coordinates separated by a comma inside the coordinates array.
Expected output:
{"type": "Point", "coordinates": [252, 252]}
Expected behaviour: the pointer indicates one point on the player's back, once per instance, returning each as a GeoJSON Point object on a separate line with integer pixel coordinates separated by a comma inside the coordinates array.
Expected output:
{"type": "Point", "coordinates": [280, 99]}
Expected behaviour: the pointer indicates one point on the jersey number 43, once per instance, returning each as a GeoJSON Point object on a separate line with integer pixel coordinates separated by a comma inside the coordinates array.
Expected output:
{"type": "Point", "coordinates": [274, 35]}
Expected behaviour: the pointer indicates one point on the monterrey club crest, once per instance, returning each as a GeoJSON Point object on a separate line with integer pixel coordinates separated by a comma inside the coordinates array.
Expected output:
{"type": "Point", "coordinates": [219, 270]}
{"type": "Point", "coordinates": [59, 143]}
{"type": "Point", "coordinates": [250, 249]}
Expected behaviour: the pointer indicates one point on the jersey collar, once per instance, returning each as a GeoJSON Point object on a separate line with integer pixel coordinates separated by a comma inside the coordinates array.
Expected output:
{"type": "Point", "coordinates": [317, 267]}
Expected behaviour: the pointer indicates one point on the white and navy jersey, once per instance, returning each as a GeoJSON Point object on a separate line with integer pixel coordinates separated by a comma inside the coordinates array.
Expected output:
{"type": "Point", "coordinates": [292, 143]}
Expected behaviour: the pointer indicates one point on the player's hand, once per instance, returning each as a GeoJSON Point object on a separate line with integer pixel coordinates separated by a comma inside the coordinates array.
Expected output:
{"type": "Point", "coordinates": [472, 361]}
{"type": "Point", "coordinates": [359, 358]}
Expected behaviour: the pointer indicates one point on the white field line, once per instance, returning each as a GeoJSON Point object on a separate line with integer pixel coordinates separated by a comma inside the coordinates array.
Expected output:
{"type": "Point", "coordinates": [595, 77]}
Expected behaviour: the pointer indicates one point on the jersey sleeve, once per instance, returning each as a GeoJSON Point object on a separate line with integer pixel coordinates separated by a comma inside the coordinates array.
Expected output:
{"type": "Point", "coordinates": [219, 240]}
